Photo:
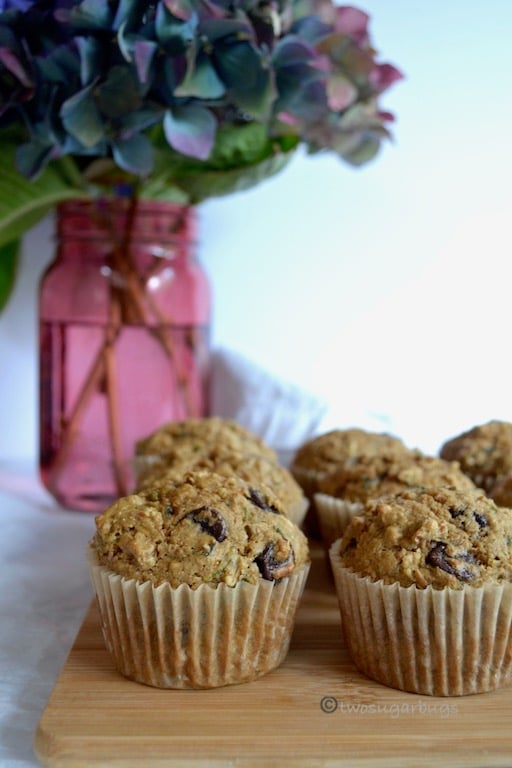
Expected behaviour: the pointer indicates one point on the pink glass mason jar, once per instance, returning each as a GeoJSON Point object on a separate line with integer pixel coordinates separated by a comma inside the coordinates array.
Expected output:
{"type": "Point", "coordinates": [124, 313]}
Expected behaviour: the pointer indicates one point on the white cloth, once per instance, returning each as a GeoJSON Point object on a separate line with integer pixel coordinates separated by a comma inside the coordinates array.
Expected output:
{"type": "Point", "coordinates": [44, 596]}
{"type": "Point", "coordinates": [280, 412]}
{"type": "Point", "coordinates": [45, 584]}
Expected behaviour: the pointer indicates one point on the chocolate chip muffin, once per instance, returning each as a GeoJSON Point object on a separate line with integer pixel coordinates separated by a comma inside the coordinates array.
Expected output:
{"type": "Point", "coordinates": [324, 453]}
{"type": "Point", "coordinates": [439, 537]}
{"type": "Point", "coordinates": [256, 469]}
{"type": "Point", "coordinates": [192, 438]}
{"type": "Point", "coordinates": [206, 528]}
{"type": "Point", "coordinates": [327, 451]}
{"type": "Point", "coordinates": [483, 452]}
{"type": "Point", "coordinates": [433, 569]}
{"type": "Point", "coordinates": [501, 491]}
{"type": "Point", "coordinates": [205, 574]}
{"type": "Point", "coordinates": [343, 492]}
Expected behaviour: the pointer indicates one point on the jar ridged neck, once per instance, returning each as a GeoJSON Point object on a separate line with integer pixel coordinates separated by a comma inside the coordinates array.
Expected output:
{"type": "Point", "coordinates": [122, 218]}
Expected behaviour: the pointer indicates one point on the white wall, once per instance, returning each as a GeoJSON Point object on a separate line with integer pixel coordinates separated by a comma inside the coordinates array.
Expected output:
{"type": "Point", "coordinates": [384, 290]}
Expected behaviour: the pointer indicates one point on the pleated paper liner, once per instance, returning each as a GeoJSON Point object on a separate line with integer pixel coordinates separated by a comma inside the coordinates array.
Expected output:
{"type": "Point", "coordinates": [196, 638]}
{"type": "Point", "coordinates": [334, 515]}
{"type": "Point", "coordinates": [297, 512]}
{"type": "Point", "coordinates": [307, 479]}
{"type": "Point", "coordinates": [444, 642]}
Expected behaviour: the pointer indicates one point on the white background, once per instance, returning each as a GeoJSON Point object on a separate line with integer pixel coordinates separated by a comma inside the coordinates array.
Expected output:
{"type": "Point", "coordinates": [383, 290]}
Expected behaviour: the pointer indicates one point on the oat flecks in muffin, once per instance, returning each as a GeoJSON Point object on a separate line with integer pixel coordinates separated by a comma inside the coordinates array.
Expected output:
{"type": "Point", "coordinates": [329, 450]}
{"type": "Point", "coordinates": [253, 468]}
{"type": "Point", "coordinates": [441, 537]}
{"type": "Point", "coordinates": [206, 528]}
{"type": "Point", "coordinates": [190, 437]}
{"type": "Point", "coordinates": [484, 452]}
{"type": "Point", "coordinates": [373, 476]}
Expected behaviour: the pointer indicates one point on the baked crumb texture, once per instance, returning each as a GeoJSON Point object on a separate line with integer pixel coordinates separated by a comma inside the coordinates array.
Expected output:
{"type": "Point", "coordinates": [441, 537]}
{"type": "Point", "coordinates": [205, 528]}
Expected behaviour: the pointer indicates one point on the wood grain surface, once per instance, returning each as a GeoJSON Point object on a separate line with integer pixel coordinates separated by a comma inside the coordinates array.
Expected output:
{"type": "Point", "coordinates": [315, 711]}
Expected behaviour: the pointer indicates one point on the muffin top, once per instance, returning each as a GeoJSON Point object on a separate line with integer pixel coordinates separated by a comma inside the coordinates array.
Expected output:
{"type": "Point", "coordinates": [256, 469]}
{"type": "Point", "coordinates": [439, 536]}
{"type": "Point", "coordinates": [327, 451]}
{"type": "Point", "coordinates": [204, 528]}
{"type": "Point", "coordinates": [501, 491]}
{"type": "Point", "coordinates": [483, 452]}
{"type": "Point", "coordinates": [190, 437]}
{"type": "Point", "coordinates": [372, 476]}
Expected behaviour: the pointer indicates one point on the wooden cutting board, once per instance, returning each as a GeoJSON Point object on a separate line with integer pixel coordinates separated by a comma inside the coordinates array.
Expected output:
{"type": "Point", "coordinates": [315, 710]}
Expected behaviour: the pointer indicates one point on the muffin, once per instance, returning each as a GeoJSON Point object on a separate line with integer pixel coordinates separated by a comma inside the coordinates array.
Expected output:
{"type": "Point", "coordinates": [198, 581]}
{"type": "Point", "coordinates": [423, 580]}
{"type": "Point", "coordinates": [190, 439]}
{"type": "Point", "coordinates": [501, 491]}
{"type": "Point", "coordinates": [324, 453]}
{"type": "Point", "coordinates": [256, 469]}
{"type": "Point", "coordinates": [344, 491]}
{"type": "Point", "coordinates": [483, 452]}
{"type": "Point", "coordinates": [327, 451]}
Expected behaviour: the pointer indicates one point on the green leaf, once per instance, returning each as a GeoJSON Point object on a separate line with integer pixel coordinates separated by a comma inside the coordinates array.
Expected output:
{"type": "Point", "coordinates": [206, 184]}
{"type": "Point", "coordinates": [242, 157]}
{"type": "Point", "coordinates": [8, 268]}
{"type": "Point", "coordinates": [239, 145]}
{"type": "Point", "coordinates": [22, 202]}
{"type": "Point", "coordinates": [162, 189]}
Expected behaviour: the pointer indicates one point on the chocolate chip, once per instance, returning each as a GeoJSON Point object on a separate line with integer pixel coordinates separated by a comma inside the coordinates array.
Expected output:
{"type": "Point", "coordinates": [437, 557]}
{"type": "Point", "coordinates": [351, 544]}
{"type": "Point", "coordinates": [481, 519]}
{"type": "Point", "coordinates": [210, 521]}
{"type": "Point", "coordinates": [169, 510]}
{"type": "Point", "coordinates": [257, 499]}
{"type": "Point", "coordinates": [270, 567]}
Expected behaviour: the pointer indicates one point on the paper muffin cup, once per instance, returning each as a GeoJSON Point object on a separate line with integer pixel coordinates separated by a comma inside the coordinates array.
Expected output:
{"type": "Point", "coordinates": [308, 479]}
{"type": "Point", "coordinates": [334, 515]}
{"type": "Point", "coordinates": [195, 638]}
{"type": "Point", "coordinates": [446, 642]}
{"type": "Point", "coordinates": [297, 512]}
